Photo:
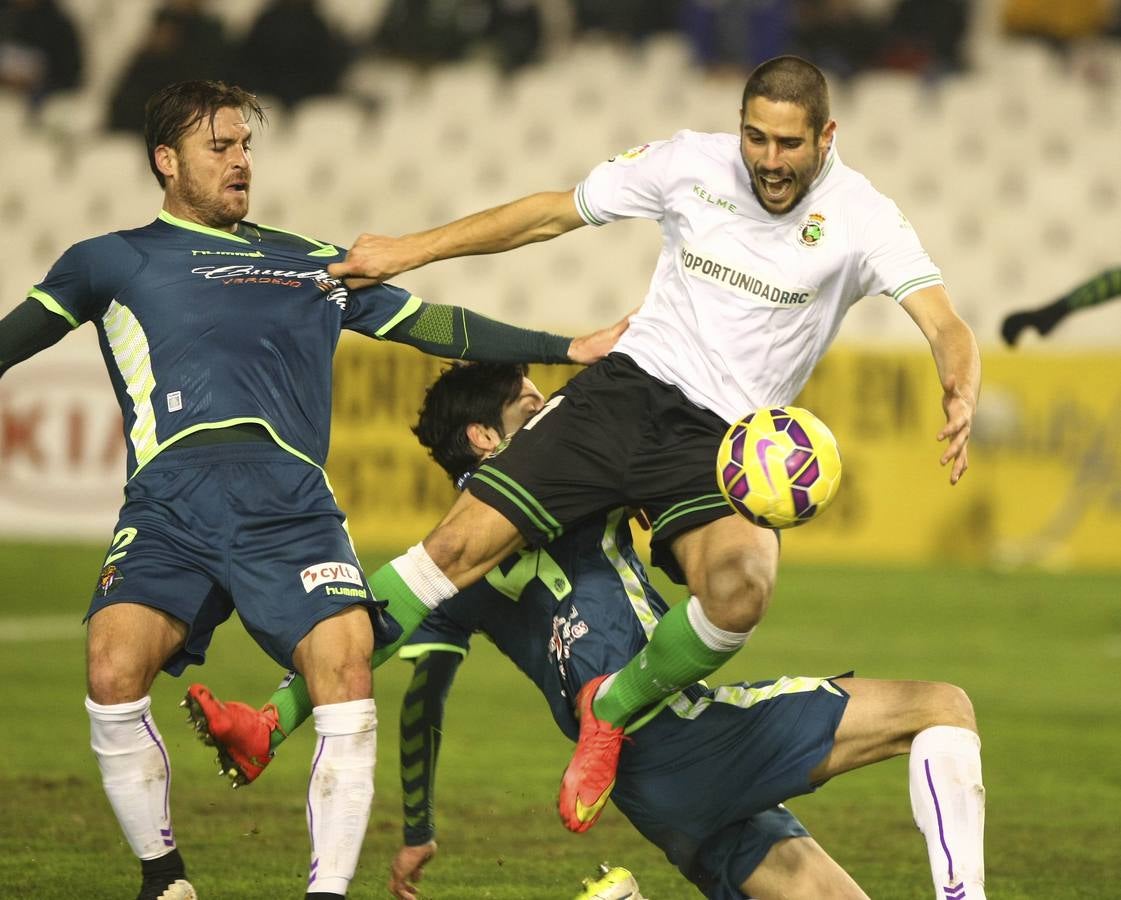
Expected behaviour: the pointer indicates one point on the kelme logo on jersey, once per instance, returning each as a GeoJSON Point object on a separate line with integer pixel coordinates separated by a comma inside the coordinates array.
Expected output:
{"type": "Point", "coordinates": [813, 230]}
{"type": "Point", "coordinates": [109, 579]}
{"type": "Point", "coordinates": [745, 284]}
{"type": "Point", "coordinates": [329, 573]}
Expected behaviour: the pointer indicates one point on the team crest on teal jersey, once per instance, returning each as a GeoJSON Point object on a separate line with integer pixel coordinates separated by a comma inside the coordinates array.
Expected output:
{"type": "Point", "coordinates": [109, 579]}
{"type": "Point", "coordinates": [812, 230]}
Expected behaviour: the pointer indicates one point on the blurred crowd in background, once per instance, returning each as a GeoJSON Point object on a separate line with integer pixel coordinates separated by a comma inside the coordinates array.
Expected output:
{"type": "Point", "coordinates": [291, 50]}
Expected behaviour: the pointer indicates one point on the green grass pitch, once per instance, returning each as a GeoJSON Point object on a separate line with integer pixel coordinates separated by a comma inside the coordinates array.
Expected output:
{"type": "Point", "coordinates": [1039, 653]}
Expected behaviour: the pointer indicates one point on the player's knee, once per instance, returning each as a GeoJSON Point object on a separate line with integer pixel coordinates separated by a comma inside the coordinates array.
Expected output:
{"type": "Point", "coordinates": [954, 707]}
{"type": "Point", "coordinates": [109, 683]}
{"type": "Point", "coordinates": [738, 596]}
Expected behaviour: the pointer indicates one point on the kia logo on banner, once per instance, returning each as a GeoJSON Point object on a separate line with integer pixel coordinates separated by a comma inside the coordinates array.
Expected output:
{"type": "Point", "coordinates": [62, 453]}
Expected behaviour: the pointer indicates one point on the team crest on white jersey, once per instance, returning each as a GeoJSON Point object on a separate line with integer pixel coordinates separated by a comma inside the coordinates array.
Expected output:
{"type": "Point", "coordinates": [812, 230]}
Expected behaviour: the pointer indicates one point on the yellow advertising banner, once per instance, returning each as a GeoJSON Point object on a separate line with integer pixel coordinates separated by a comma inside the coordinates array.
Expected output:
{"type": "Point", "coordinates": [1043, 487]}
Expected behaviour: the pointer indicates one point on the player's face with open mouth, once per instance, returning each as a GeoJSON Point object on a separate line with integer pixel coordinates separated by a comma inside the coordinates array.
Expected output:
{"type": "Point", "coordinates": [781, 152]}
{"type": "Point", "coordinates": [215, 169]}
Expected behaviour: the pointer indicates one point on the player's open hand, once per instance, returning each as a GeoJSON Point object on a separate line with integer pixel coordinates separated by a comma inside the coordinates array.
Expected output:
{"type": "Point", "coordinates": [407, 868]}
{"type": "Point", "coordinates": [375, 258]}
{"type": "Point", "coordinates": [959, 408]}
{"type": "Point", "coordinates": [595, 346]}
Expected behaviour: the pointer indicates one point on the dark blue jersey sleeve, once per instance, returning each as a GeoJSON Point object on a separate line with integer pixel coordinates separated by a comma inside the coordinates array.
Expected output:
{"type": "Point", "coordinates": [86, 278]}
{"type": "Point", "coordinates": [374, 310]}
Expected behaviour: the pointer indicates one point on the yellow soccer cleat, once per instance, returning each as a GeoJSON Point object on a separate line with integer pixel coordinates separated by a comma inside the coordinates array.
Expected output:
{"type": "Point", "coordinates": [612, 884]}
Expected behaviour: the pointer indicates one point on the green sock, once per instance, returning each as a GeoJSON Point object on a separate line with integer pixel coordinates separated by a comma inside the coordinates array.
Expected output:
{"type": "Point", "coordinates": [675, 658]}
{"type": "Point", "coordinates": [404, 606]}
{"type": "Point", "coordinates": [291, 698]}
{"type": "Point", "coordinates": [293, 705]}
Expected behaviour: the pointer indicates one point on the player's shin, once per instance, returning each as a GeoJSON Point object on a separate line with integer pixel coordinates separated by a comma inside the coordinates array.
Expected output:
{"type": "Point", "coordinates": [948, 802]}
{"type": "Point", "coordinates": [685, 647]}
{"type": "Point", "coordinates": [293, 706]}
{"type": "Point", "coordinates": [340, 792]}
{"type": "Point", "coordinates": [135, 772]}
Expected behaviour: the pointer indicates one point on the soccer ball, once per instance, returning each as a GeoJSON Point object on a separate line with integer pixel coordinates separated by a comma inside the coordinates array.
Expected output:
{"type": "Point", "coordinates": [779, 467]}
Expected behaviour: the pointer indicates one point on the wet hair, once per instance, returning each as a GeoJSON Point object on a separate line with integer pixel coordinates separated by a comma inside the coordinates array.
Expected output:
{"type": "Point", "coordinates": [791, 79]}
{"type": "Point", "coordinates": [465, 394]}
{"type": "Point", "coordinates": [173, 111]}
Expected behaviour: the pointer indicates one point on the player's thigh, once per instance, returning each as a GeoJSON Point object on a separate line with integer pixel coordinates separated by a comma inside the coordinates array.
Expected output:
{"type": "Point", "coordinates": [334, 657]}
{"type": "Point", "coordinates": [800, 868]}
{"type": "Point", "coordinates": [126, 646]}
{"type": "Point", "coordinates": [729, 563]}
{"type": "Point", "coordinates": [882, 718]}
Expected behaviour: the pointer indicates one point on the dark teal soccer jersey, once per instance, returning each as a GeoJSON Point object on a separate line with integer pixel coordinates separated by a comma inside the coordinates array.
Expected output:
{"type": "Point", "coordinates": [558, 631]}
{"type": "Point", "coordinates": [202, 328]}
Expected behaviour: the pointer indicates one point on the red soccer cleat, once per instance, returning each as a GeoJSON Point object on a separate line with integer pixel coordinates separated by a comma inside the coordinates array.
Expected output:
{"type": "Point", "coordinates": [240, 733]}
{"type": "Point", "coordinates": [590, 775]}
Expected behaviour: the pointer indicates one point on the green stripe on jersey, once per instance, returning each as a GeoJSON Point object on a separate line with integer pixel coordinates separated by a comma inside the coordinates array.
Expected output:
{"type": "Point", "coordinates": [165, 216]}
{"type": "Point", "coordinates": [129, 346]}
{"type": "Point", "coordinates": [582, 207]}
{"type": "Point", "coordinates": [909, 287]}
{"type": "Point", "coordinates": [53, 305]}
{"type": "Point", "coordinates": [694, 504]}
{"type": "Point", "coordinates": [521, 498]}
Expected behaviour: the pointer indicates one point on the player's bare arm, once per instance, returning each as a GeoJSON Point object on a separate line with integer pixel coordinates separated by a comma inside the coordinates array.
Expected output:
{"type": "Point", "coordinates": [958, 361]}
{"type": "Point", "coordinates": [537, 217]}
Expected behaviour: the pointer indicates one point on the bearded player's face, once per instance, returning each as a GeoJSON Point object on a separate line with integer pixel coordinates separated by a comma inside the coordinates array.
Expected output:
{"type": "Point", "coordinates": [781, 152]}
{"type": "Point", "coordinates": [212, 170]}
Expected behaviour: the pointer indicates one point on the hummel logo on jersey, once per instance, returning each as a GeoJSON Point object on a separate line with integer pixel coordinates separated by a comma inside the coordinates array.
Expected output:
{"type": "Point", "coordinates": [327, 573]}
{"type": "Point", "coordinates": [253, 253]}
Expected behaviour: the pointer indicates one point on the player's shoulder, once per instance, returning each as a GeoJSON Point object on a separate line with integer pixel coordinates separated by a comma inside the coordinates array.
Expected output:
{"type": "Point", "coordinates": [718, 146]}
{"type": "Point", "coordinates": [103, 249]}
{"type": "Point", "coordinates": [855, 185]}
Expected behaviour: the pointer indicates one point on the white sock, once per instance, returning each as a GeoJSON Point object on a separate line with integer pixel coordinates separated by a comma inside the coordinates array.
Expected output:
{"type": "Point", "coordinates": [948, 802]}
{"type": "Point", "coordinates": [135, 772]}
{"type": "Point", "coordinates": [424, 577]}
{"type": "Point", "coordinates": [712, 637]}
{"type": "Point", "coordinates": [341, 791]}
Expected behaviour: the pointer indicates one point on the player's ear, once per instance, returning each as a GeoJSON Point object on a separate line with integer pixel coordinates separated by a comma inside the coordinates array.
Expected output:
{"type": "Point", "coordinates": [826, 137]}
{"type": "Point", "coordinates": [167, 160]}
{"type": "Point", "coordinates": [483, 438]}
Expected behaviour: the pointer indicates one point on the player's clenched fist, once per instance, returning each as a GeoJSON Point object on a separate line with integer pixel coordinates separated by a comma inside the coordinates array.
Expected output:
{"type": "Point", "coordinates": [377, 257]}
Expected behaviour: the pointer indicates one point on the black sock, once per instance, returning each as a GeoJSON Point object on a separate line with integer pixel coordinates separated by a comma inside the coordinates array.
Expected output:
{"type": "Point", "coordinates": [170, 865]}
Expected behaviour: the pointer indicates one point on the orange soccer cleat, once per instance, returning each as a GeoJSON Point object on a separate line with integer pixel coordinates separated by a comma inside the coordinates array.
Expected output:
{"type": "Point", "coordinates": [240, 733]}
{"type": "Point", "coordinates": [590, 775]}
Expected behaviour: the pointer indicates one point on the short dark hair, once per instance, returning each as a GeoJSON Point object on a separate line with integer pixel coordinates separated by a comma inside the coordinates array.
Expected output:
{"type": "Point", "coordinates": [791, 79]}
{"type": "Point", "coordinates": [465, 394]}
{"type": "Point", "coordinates": [174, 110]}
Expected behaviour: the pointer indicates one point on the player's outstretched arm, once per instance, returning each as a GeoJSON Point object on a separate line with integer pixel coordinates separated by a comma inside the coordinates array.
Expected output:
{"type": "Point", "coordinates": [537, 217]}
{"type": "Point", "coordinates": [407, 869]}
{"type": "Point", "coordinates": [1098, 289]}
{"type": "Point", "coordinates": [421, 723]}
{"type": "Point", "coordinates": [26, 330]}
{"type": "Point", "coordinates": [454, 332]}
{"type": "Point", "coordinates": [958, 361]}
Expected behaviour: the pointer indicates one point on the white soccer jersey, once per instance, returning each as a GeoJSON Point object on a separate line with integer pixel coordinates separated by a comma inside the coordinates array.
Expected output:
{"type": "Point", "coordinates": [743, 303]}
